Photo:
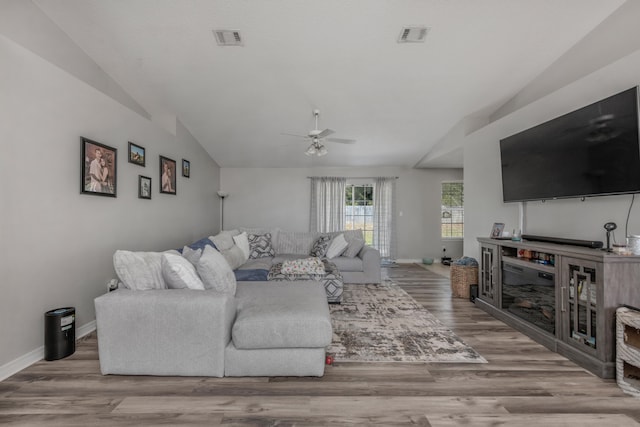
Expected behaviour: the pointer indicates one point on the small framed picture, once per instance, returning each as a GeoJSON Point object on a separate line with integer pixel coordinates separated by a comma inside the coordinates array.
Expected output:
{"type": "Point", "coordinates": [167, 175]}
{"type": "Point", "coordinates": [136, 154]}
{"type": "Point", "coordinates": [496, 231]}
{"type": "Point", "coordinates": [186, 168]}
{"type": "Point", "coordinates": [98, 168]}
{"type": "Point", "coordinates": [144, 187]}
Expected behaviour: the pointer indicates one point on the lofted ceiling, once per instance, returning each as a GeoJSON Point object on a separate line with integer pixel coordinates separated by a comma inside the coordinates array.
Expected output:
{"type": "Point", "coordinates": [339, 56]}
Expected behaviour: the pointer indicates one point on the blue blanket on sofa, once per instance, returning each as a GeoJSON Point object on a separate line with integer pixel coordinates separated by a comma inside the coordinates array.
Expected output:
{"type": "Point", "coordinates": [257, 275]}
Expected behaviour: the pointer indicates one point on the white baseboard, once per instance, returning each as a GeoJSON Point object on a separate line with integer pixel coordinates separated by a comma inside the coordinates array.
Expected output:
{"type": "Point", "coordinates": [85, 329]}
{"type": "Point", "coordinates": [416, 261]}
{"type": "Point", "coordinates": [26, 360]}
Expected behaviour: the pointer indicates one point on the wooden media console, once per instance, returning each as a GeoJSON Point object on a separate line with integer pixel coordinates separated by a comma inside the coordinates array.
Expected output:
{"type": "Point", "coordinates": [564, 297]}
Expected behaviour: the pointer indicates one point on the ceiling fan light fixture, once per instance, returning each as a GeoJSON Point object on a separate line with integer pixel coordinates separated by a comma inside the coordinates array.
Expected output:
{"type": "Point", "coordinates": [316, 136]}
{"type": "Point", "coordinates": [311, 150]}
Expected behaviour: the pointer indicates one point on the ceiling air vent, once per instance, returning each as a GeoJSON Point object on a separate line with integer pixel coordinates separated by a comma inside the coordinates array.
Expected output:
{"type": "Point", "coordinates": [413, 35]}
{"type": "Point", "coordinates": [228, 37]}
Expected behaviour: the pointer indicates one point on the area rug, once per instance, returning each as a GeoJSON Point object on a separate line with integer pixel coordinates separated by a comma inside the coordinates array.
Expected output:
{"type": "Point", "coordinates": [382, 323]}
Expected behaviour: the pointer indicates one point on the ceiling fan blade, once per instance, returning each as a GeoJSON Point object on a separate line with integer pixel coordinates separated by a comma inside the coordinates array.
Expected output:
{"type": "Point", "coordinates": [295, 134]}
{"type": "Point", "coordinates": [325, 132]}
{"type": "Point", "coordinates": [342, 140]}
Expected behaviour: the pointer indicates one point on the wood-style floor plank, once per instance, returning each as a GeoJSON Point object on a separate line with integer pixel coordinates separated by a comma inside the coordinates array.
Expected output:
{"type": "Point", "coordinates": [522, 384]}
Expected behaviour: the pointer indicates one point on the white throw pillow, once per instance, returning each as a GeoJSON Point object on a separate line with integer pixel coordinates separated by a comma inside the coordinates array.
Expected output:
{"type": "Point", "coordinates": [140, 271]}
{"type": "Point", "coordinates": [242, 241]}
{"type": "Point", "coordinates": [192, 255]}
{"type": "Point", "coordinates": [179, 273]}
{"type": "Point", "coordinates": [337, 246]}
{"type": "Point", "coordinates": [215, 272]}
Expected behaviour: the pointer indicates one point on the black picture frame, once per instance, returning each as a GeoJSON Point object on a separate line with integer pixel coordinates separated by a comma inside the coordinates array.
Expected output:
{"type": "Point", "coordinates": [167, 175]}
{"type": "Point", "coordinates": [186, 168]}
{"type": "Point", "coordinates": [144, 187]}
{"type": "Point", "coordinates": [137, 154]}
{"type": "Point", "coordinates": [98, 168]}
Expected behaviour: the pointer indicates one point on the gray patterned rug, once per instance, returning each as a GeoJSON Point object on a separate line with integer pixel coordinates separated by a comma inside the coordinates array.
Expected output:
{"type": "Point", "coordinates": [382, 323]}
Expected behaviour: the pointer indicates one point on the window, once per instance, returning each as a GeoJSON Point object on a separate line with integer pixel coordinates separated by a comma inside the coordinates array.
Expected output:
{"type": "Point", "coordinates": [452, 210]}
{"type": "Point", "coordinates": [359, 209]}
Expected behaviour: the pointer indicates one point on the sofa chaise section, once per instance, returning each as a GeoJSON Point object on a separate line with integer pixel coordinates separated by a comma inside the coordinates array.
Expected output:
{"type": "Point", "coordinates": [281, 329]}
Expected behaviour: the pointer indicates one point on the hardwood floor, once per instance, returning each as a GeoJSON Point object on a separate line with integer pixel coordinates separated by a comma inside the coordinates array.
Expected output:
{"type": "Point", "coordinates": [523, 384]}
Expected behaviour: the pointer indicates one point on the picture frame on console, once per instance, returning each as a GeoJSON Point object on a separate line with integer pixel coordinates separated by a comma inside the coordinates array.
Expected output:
{"type": "Point", "coordinates": [496, 231]}
{"type": "Point", "coordinates": [98, 168]}
{"type": "Point", "coordinates": [136, 154]}
{"type": "Point", "coordinates": [167, 175]}
{"type": "Point", "coordinates": [144, 187]}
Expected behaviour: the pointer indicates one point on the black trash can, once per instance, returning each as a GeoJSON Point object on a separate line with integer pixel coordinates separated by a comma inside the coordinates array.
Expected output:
{"type": "Point", "coordinates": [59, 333]}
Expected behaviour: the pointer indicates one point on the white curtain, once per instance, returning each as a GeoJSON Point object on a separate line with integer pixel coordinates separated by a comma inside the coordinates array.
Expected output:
{"type": "Point", "coordinates": [327, 204]}
{"type": "Point", "coordinates": [384, 218]}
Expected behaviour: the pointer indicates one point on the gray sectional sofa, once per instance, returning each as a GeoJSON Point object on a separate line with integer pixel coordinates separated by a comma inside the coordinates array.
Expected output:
{"type": "Point", "coordinates": [266, 329]}
{"type": "Point", "coordinates": [190, 315]}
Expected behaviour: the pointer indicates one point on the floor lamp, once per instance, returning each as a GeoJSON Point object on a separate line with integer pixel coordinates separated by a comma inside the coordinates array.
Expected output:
{"type": "Point", "coordinates": [222, 195]}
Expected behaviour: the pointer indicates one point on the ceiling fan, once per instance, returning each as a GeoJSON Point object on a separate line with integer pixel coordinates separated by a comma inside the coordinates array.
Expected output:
{"type": "Point", "coordinates": [317, 136]}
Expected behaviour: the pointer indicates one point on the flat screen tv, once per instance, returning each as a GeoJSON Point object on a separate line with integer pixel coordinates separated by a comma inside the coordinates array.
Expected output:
{"type": "Point", "coordinates": [593, 151]}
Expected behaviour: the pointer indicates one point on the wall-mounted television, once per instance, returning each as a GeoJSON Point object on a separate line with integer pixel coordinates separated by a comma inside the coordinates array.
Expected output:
{"type": "Point", "coordinates": [593, 151]}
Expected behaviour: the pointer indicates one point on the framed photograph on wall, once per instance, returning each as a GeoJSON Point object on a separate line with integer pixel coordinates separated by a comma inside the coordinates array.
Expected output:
{"type": "Point", "coordinates": [186, 168]}
{"type": "Point", "coordinates": [167, 175]}
{"type": "Point", "coordinates": [98, 168]}
{"type": "Point", "coordinates": [496, 231]}
{"type": "Point", "coordinates": [136, 154]}
{"type": "Point", "coordinates": [144, 187]}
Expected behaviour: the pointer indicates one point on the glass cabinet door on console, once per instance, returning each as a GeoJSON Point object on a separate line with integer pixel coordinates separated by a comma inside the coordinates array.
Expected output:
{"type": "Point", "coordinates": [581, 291]}
{"type": "Point", "coordinates": [489, 274]}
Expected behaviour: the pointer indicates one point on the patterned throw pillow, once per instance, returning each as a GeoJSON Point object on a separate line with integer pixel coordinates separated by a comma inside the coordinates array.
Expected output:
{"type": "Point", "coordinates": [320, 246]}
{"type": "Point", "coordinates": [260, 246]}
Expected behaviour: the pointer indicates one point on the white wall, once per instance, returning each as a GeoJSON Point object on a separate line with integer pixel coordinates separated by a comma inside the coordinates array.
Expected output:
{"type": "Point", "coordinates": [568, 218]}
{"type": "Point", "coordinates": [616, 37]}
{"type": "Point", "coordinates": [24, 23]}
{"type": "Point", "coordinates": [56, 243]}
{"type": "Point", "coordinates": [262, 197]}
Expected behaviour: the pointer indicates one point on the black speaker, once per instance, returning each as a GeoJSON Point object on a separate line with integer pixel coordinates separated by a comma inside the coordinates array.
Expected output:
{"type": "Point", "coordinates": [473, 293]}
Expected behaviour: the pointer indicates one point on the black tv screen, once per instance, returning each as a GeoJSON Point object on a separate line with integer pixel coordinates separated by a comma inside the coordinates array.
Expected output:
{"type": "Point", "coordinates": [593, 151]}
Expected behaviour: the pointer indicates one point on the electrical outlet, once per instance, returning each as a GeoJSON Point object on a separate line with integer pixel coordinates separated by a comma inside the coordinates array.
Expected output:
{"type": "Point", "coordinates": [112, 285]}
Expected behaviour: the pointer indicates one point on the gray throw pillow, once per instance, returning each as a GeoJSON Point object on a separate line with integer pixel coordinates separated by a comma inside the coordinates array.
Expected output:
{"type": "Point", "coordinates": [320, 246]}
{"type": "Point", "coordinates": [234, 257]}
{"type": "Point", "coordinates": [215, 272]}
{"type": "Point", "coordinates": [354, 248]}
{"type": "Point", "coordinates": [260, 246]}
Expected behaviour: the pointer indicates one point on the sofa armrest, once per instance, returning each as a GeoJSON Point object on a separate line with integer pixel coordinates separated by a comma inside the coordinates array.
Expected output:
{"type": "Point", "coordinates": [164, 332]}
{"type": "Point", "coordinates": [371, 261]}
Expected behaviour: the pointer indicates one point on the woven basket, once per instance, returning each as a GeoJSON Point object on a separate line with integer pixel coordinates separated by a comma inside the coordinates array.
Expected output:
{"type": "Point", "coordinates": [462, 277]}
